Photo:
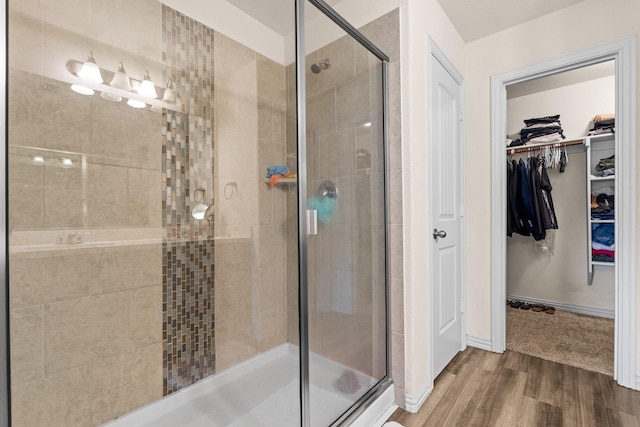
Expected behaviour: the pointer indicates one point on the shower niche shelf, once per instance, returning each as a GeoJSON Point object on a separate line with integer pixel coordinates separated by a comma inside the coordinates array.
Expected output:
{"type": "Point", "coordinates": [283, 181]}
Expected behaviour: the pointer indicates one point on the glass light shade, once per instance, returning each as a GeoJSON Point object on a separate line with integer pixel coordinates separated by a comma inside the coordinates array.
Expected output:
{"type": "Point", "coordinates": [83, 90]}
{"type": "Point", "coordinates": [147, 88]}
{"type": "Point", "coordinates": [38, 160]}
{"type": "Point", "coordinates": [90, 71]}
{"type": "Point", "coordinates": [120, 79]}
{"type": "Point", "coordinates": [169, 95]}
{"type": "Point", "coordinates": [110, 97]}
{"type": "Point", "coordinates": [135, 103]}
{"type": "Point", "coordinates": [198, 211]}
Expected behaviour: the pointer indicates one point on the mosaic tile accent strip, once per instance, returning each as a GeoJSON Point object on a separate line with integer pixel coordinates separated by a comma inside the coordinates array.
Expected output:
{"type": "Point", "coordinates": [188, 247]}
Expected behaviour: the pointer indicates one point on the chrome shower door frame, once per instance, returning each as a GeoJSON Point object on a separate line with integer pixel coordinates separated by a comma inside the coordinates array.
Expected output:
{"type": "Point", "coordinates": [301, 125]}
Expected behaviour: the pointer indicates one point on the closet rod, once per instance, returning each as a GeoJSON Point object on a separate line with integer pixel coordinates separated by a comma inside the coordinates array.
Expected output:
{"type": "Point", "coordinates": [528, 148]}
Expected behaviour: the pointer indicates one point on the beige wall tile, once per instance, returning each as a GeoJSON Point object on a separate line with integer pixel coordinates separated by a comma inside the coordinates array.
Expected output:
{"type": "Point", "coordinates": [265, 119]}
{"type": "Point", "coordinates": [126, 381]}
{"type": "Point", "coordinates": [145, 198]}
{"type": "Point", "coordinates": [68, 335]}
{"type": "Point", "coordinates": [125, 267]}
{"type": "Point", "coordinates": [27, 346]}
{"type": "Point", "coordinates": [397, 359]}
{"type": "Point", "coordinates": [47, 276]}
{"type": "Point", "coordinates": [395, 254]}
{"type": "Point", "coordinates": [27, 32]}
{"type": "Point", "coordinates": [63, 202]}
{"type": "Point", "coordinates": [342, 55]}
{"type": "Point", "coordinates": [47, 114]}
{"type": "Point", "coordinates": [107, 199]}
{"type": "Point", "coordinates": [26, 193]}
{"type": "Point", "coordinates": [321, 112]}
{"type": "Point", "coordinates": [39, 403]}
{"type": "Point", "coordinates": [384, 32]}
{"type": "Point", "coordinates": [114, 22]}
{"type": "Point", "coordinates": [146, 315]}
{"type": "Point", "coordinates": [353, 103]}
{"type": "Point", "coordinates": [235, 341]}
{"type": "Point", "coordinates": [397, 306]}
{"type": "Point", "coordinates": [271, 80]}
{"type": "Point", "coordinates": [235, 65]}
{"type": "Point", "coordinates": [124, 136]}
{"type": "Point", "coordinates": [109, 323]}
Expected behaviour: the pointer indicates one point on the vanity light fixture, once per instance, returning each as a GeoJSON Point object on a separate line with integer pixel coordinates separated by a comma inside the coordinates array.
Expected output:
{"type": "Point", "coordinates": [66, 163]}
{"type": "Point", "coordinates": [90, 71]}
{"type": "Point", "coordinates": [147, 88]}
{"type": "Point", "coordinates": [82, 90]}
{"type": "Point", "coordinates": [169, 93]}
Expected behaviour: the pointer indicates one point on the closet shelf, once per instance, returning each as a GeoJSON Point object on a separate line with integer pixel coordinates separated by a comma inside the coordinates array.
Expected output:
{"type": "Point", "coordinates": [602, 178]}
{"type": "Point", "coordinates": [603, 221]}
{"type": "Point", "coordinates": [604, 264]}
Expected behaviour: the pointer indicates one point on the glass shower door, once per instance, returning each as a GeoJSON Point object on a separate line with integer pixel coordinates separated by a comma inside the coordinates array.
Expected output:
{"type": "Point", "coordinates": [346, 245]}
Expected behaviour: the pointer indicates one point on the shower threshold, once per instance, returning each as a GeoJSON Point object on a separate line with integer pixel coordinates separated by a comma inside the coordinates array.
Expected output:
{"type": "Point", "coordinates": [262, 391]}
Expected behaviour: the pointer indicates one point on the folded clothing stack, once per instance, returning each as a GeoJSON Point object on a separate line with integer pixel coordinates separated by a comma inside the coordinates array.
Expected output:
{"type": "Point", "coordinates": [602, 243]}
{"type": "Point", "coordinates": [542, 129]}
{"type": "Point", "coordinates": [606, 166]}
{"type": "Point", "coordinates": [602, 206]}
{"type": "Point", "coordinates": [603, 123]}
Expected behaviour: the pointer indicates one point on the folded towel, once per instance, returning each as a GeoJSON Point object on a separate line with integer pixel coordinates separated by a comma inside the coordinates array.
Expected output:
{"type": "Point", "coordinates": [276, 170]}
{"type": "Point", "coordinates": [603, 117]}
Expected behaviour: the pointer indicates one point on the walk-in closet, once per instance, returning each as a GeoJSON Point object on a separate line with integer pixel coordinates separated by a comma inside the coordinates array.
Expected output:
{"type": "Point", "coordinates": [561, 217]}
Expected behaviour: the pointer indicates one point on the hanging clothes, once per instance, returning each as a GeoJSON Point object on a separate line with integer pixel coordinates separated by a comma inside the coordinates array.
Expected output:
{"type": "Point", "coordinates": [530, 210]}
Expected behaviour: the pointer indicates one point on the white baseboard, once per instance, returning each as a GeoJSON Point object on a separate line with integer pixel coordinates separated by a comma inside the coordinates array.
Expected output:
{"type": "Point", "coordinates": [480, 343]}
{"type": "Point", "coordinates": [414, 403]}
{"type": "Point", "coordinates": [591, 311]}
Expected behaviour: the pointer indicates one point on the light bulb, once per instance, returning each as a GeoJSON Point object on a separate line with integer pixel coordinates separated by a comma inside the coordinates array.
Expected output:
{"type": "Point", "coordinates": [38, 160]}
{"type": "Point", "coordinates": [120, 79]}
{"type": "Point", "coordinates": [66, 163]}
{"type": "Point", "coordinates": [110, 97]}
{"type": "Point", "coordinates": [135, 103]}
{"type": "Point", "coordinates": [83, 90]}
{"type": "Point", "coordinates": [90, 71]}
{"type": "Point", "coordinates": [147, 88]}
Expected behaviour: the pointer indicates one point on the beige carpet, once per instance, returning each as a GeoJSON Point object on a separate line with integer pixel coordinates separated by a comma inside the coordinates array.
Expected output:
{"type": "Point", "coordinates": [568, 338]}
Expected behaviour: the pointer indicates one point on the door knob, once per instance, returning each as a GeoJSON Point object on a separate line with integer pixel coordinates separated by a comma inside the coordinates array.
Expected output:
{"type": "Point", "coordinates": [440, 234]}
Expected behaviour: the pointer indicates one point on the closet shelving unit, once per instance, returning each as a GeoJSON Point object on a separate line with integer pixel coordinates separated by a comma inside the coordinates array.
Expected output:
{"type": "Point", "coordinates": [597, 147]}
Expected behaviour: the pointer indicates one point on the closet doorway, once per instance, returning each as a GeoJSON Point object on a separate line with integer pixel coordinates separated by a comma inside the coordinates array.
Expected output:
{"type": "Point", "coordinates": [560, 301]}
{"type": "Point", "coordinates": [623, 53]}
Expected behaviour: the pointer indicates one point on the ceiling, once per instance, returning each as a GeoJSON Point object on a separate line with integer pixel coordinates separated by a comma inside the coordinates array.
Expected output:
{"type": "Point", "coordinates": [275, 14]}
{"type": "Point", "coordinates": [566, 78]}
{"type": "Point", "coordinates": [475, 19]}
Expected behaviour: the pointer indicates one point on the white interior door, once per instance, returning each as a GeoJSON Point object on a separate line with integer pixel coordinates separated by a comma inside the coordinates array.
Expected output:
{"type": "Point", "coordinates": [446, 213]}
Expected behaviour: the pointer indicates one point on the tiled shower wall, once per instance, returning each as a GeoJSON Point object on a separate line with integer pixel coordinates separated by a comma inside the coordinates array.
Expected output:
{"type": "Point", "coordinates": [188, 244]}
{"type": "Point", "coordinates": [86, 319]}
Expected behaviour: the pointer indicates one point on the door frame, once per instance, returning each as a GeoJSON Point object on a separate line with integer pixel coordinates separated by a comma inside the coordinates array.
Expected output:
{"type": "Point", "coordinates": [624, 53]}
{"type": "Point", "coordinates": [433, 51]}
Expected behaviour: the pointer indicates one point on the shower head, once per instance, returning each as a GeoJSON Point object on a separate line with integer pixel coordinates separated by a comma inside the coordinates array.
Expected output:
{"type": "Point", "coordinates": [319, 66]}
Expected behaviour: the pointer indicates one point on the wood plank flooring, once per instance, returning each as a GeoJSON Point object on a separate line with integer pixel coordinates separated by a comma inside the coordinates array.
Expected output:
{"type": "Point", "coordinates": [480, 388]}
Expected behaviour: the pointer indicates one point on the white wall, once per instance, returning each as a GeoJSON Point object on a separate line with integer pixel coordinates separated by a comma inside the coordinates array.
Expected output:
{"type": "Point", "coordinates": [502, 52]}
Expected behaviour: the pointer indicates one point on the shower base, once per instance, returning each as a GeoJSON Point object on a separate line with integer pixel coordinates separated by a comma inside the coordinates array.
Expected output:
{"type": "Point", "coordinates": [262, 391]}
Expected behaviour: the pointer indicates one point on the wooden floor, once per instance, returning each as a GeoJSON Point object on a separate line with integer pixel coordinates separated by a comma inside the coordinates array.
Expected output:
{"type": "Point", "coordinates": [480, 388]}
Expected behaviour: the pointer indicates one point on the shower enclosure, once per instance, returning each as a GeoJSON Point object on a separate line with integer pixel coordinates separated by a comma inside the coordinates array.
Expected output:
{"type": "Point", "coordinates": [197, 221]}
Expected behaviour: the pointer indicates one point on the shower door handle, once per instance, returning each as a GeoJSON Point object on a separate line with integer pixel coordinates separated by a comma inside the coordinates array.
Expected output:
{"type": "Point", "coordinates": [312, 222]}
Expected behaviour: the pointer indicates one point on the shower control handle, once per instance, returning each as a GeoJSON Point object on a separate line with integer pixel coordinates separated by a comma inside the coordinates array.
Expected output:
{"type": "Point", "coordinates": [441, 234]}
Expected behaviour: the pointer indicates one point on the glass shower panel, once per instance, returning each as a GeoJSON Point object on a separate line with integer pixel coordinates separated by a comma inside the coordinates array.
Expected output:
{"type": "Point", "coordinates": [345, 188]}
{"type": "Point", "coordinates": [148, 252]}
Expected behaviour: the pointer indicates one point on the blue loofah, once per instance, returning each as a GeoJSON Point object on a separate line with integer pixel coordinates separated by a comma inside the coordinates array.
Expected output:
{"type": "Point", "coordinates": [325, 207]}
